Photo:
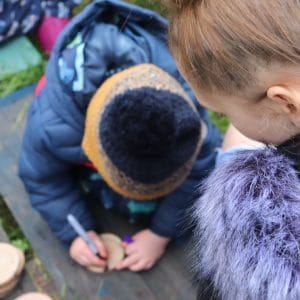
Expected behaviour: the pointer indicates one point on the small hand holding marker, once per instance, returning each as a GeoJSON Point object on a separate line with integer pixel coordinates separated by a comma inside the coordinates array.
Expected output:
{"type": "Point", "coordinates": [83, 247]}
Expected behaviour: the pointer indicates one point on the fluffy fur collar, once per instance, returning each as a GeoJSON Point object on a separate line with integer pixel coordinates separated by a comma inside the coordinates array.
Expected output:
{"type": "Point", "coordinates": [247, 236]}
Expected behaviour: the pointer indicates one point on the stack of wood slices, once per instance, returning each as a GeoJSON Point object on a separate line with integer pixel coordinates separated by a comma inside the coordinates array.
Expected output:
{"type": "Point", "coordinates": [12, 261]}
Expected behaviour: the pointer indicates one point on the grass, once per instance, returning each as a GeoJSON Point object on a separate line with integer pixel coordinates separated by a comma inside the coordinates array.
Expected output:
{"type": "Point", "coordinates": [152, 5]}
{"type": "Point", "coordinates": [155, 5]}
{"type": "Point", "coordinates": [77, 9]}
{"type": "Point", "coordinates": [11, 83]}
{"type": "Point", "coordinates": [13, 231]}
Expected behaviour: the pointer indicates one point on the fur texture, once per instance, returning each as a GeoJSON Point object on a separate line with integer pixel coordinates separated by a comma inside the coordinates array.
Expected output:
{"type": "Point", "coordinates": [247, 234]}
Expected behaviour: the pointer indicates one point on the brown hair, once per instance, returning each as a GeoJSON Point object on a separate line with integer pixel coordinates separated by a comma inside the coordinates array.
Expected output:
{"type": "Point", "coordinates": [219, 43]}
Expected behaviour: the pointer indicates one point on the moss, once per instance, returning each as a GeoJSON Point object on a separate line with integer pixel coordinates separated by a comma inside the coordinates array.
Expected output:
{"type": "Point", "coordinates": [13, 231]}
{"type": "Point", "coordinates": [12, 82]}
{"type": "Point", "coordinates": [151, 4]}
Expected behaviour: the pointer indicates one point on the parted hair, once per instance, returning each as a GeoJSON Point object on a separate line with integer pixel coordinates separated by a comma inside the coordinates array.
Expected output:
{"type": "Point", "coordinates": [219, 44]}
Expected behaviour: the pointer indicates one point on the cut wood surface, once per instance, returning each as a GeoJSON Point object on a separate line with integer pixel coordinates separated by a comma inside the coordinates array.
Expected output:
{"type": "Point", "coordinates": [25, 283]}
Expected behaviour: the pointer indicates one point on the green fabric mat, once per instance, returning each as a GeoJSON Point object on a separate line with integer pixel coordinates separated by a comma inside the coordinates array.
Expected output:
{"type": "Point", "coordinates": [18, 55]}
{"type": "Point", "coordinates": [20, 65]}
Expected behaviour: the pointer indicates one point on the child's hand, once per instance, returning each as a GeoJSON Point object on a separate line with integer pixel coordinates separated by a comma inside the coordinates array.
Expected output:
{"type": "Point", "coordinates": [145, 250]}
{"type": "Point", "coordinates": [83, 255]}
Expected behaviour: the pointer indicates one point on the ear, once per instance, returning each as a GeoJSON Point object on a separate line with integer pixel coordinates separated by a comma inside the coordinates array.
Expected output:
{"type": "Point", "coordinates": [287, 99]}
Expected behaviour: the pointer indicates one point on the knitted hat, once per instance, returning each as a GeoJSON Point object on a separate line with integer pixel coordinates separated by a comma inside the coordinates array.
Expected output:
{"type": "Point", "coordinates": [142, 132]}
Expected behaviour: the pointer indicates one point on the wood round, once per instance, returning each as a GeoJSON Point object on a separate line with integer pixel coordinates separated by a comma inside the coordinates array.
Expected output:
{"type": "Point", "coordinates": [34, 296]}
{"type": "Point", "coordinates": [11, 263]}
{"type": "Point", "coordinates": [110, 236]}
{"type": "Point", "coordinates": [5, 290]}
{"type": "Point", "coordinates": [115, 252]}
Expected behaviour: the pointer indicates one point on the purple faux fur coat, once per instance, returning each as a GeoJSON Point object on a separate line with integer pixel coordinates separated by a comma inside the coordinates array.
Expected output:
{"type": "Point", "coordinates": [247, 233]}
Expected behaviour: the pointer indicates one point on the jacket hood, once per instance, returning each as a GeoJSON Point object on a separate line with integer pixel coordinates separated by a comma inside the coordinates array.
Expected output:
{"type": "Point", "coordinates": [114, 35]}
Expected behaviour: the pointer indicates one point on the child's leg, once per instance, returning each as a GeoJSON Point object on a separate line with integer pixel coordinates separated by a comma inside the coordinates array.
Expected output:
{"type": "Point", "coordinates": [57, 16]}
{"type": "Point", "coordinates": [49, 30]}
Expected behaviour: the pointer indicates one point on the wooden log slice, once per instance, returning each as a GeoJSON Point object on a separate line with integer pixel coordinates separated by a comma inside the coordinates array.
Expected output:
{"type": "Point", "coordinates": [115, 252]}
{"type": "Point", "coordinates": [5, 290]}
{"type": "Point", "coordinates": [12, 262]}
{"type": "Point", "coordinates": [33, 296]}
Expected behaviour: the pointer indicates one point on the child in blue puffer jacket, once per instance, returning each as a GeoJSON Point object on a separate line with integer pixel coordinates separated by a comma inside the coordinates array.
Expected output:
{"type": "Point", "coordinates": [115, 108]}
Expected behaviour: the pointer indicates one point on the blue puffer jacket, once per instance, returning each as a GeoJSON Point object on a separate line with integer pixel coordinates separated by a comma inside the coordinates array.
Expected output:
{"type": "Point", "coordinates": [106, 37]}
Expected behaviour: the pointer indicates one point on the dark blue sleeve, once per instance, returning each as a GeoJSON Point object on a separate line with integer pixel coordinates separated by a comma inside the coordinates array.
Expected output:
{"type": "Point", "coordinates": [50, 183]}
{"type": "Point", "coordinates": [170, 218]}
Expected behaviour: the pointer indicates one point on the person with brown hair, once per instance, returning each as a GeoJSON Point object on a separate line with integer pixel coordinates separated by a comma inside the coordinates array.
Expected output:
{"type": "Point", "coordinates": [242, 59]}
